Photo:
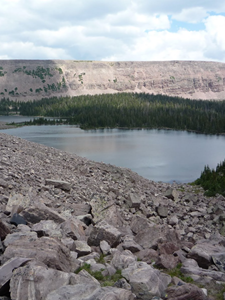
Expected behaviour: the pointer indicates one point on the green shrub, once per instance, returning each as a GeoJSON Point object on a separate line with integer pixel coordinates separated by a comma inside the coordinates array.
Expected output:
{"type": "Point", "coordinates": [177, 272]}
{"type": "Point", "coordinates": [104, 280]}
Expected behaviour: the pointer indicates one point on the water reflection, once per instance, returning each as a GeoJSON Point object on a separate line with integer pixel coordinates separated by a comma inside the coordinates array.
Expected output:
{"type": "Point", "coordinates": [160, 155]}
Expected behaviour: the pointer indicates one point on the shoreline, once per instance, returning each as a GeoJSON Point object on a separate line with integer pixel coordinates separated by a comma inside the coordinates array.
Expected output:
{"type": "Point", "coordinates": [3, 125]}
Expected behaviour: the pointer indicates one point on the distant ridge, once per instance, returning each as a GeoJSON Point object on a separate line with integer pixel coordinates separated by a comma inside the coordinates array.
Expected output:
{"type": "Point", "coordinates": [36, 79]}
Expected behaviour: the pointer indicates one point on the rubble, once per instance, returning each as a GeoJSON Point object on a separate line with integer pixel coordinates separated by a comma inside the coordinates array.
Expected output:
{"type": "Point", "coordinates": [127, 232]}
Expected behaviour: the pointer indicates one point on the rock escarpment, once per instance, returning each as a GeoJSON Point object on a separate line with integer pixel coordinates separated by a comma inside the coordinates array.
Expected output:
{"type": "Point", "coordinates": [60, 213]}
{"type": "Point", "coordinates": [34, 79]}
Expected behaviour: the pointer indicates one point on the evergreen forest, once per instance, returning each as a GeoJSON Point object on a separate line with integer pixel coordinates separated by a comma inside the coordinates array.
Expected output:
{"type": "Point", "coordinates": [213, 181]}
{"type": "Point", "coordinates": [127, 110]}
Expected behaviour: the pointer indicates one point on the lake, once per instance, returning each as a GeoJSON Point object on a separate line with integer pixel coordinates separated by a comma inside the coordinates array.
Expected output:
{"type": "Point", "coordinates": [159, 155]}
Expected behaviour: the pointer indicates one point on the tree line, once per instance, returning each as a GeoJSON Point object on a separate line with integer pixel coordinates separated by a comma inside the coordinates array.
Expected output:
{"type": "Point", "coordinates": [130, 110]}
{"type": "Point", "coordinates": [213, 181]}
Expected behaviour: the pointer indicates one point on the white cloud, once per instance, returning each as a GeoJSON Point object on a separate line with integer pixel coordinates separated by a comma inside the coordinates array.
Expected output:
{"type": "Point", "coordinates": [165, 45]}
{"type": "Point", "coordinates": [28, 50]}
{"type": "Point", "coordinates": [216, 44]}
{"type": "Point", "coordinates": [215, 27]}
{"type": "Point", "coordinates": [172, 7]}
{"type": "Point", "coordinates": [103, 30]}
{"type": "Point", "coordinates": [191, 15]}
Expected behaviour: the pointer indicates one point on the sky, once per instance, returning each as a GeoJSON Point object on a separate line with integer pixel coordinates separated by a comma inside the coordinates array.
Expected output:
{"type": "Point", "coordinates": [123, 30]}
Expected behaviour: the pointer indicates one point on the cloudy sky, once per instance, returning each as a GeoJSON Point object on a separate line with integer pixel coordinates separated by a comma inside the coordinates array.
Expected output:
{"type": "Point", "coordinates": [113, 30]}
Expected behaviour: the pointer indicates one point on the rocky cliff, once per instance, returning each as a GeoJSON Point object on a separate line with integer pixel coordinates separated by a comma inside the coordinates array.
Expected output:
{"type": "Point", "coordinates": [35, 79]}
{"type": "Point", "coordinates": [125, 237]}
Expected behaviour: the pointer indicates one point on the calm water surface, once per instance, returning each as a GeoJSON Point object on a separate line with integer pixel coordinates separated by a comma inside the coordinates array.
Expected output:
{"type": "Point", "coordinates": [159, 155]}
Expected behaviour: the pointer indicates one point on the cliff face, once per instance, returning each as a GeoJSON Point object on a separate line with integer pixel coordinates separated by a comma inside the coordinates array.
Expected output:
{"type": "Point", "coordinates": [35, 79]}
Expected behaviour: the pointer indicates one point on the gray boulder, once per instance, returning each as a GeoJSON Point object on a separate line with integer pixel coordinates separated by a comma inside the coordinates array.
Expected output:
{"type": "Point", "coordinates": [190, 268]}
{"type": "Point", "coordinates": [4, 230]}
{"type": "Point", "coordinates": [47, 228]}
{"type": "Point", "coordinates": [37, 280]}
{"type": "Point", "coordinates": [172, 194]}
{"type": "Point", "coordinates": [129, 244]}
{"type": "Point", "coordinates": [151, 235]}
{"type": "Point", "coordinates": [219, 261]}
{"type": "Point", "coordinates": [90, 292]}
{"type": "Point", "coordinates": [15, 236]}
{"type": "Point", "coordinates": [105, 247]}
{"type": "Point", "coordinates": [82, 248]}
{"type": "Point", "coordinates": [104, 209]}
{"type": "Point", "coordinates": [146, 282]}
{"type": "Point", "coordinates": [168, 248]}
{"type": "Point", "coordinates": [16, 200]}
{"type": "Point", "coordinates": [147, 255]}
{"type": "Point", "coordinates": [173, 220]}
{"type": "Point", "coordinates": [104, 231]}
{"type": "Point", "coordinates": [73, 228]}
{"type": "Point", "coordinates": [133, 201]}
{"type": "Point", "coordinates": [63, 185]}
{"type": "Point", "coordinates": [138, 223]}
{"type": "Point", "coordinates": [81, 209]}
{"type": "Point", "coordinates": [47, 250]}
{"type": "Point", "coordinates": [162, 211]}
{"type": "Point", "coordinates": [185, 292]}
{"type": "Point", "coordinates": [36, 214]}
{"type": "Point", "coordinates": [122, 260]}
{"type": "Point", "coordinates": [6, 270]}
{"type": "Point", "coordinates": [204, 250]}
{"type": "Point", "coordinates": [167, 261]}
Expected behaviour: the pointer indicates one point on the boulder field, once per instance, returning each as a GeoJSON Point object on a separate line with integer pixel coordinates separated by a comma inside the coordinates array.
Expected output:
{"type": "Point", "coordinates": [75, 229]}
{"type": "Point", "coordinates": [25, 80]}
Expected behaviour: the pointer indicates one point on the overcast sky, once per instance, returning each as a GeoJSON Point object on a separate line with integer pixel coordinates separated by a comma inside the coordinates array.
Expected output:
{"type": "Point", "coordinates": [141, 30]}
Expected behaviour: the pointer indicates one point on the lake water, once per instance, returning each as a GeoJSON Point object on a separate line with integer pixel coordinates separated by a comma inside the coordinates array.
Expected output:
{"type": "Point", "coordinates": [159, 155]}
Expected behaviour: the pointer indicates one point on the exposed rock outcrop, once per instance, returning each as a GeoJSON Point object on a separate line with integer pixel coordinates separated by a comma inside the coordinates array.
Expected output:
{"type": "Point", "coordinates": [36, 79]}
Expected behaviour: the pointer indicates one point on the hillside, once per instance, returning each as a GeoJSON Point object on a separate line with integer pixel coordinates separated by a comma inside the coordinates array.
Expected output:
{"type": "Point", "coordinates": [75, 229]}
{"type": "Point", "coordinates": [35, 79]}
